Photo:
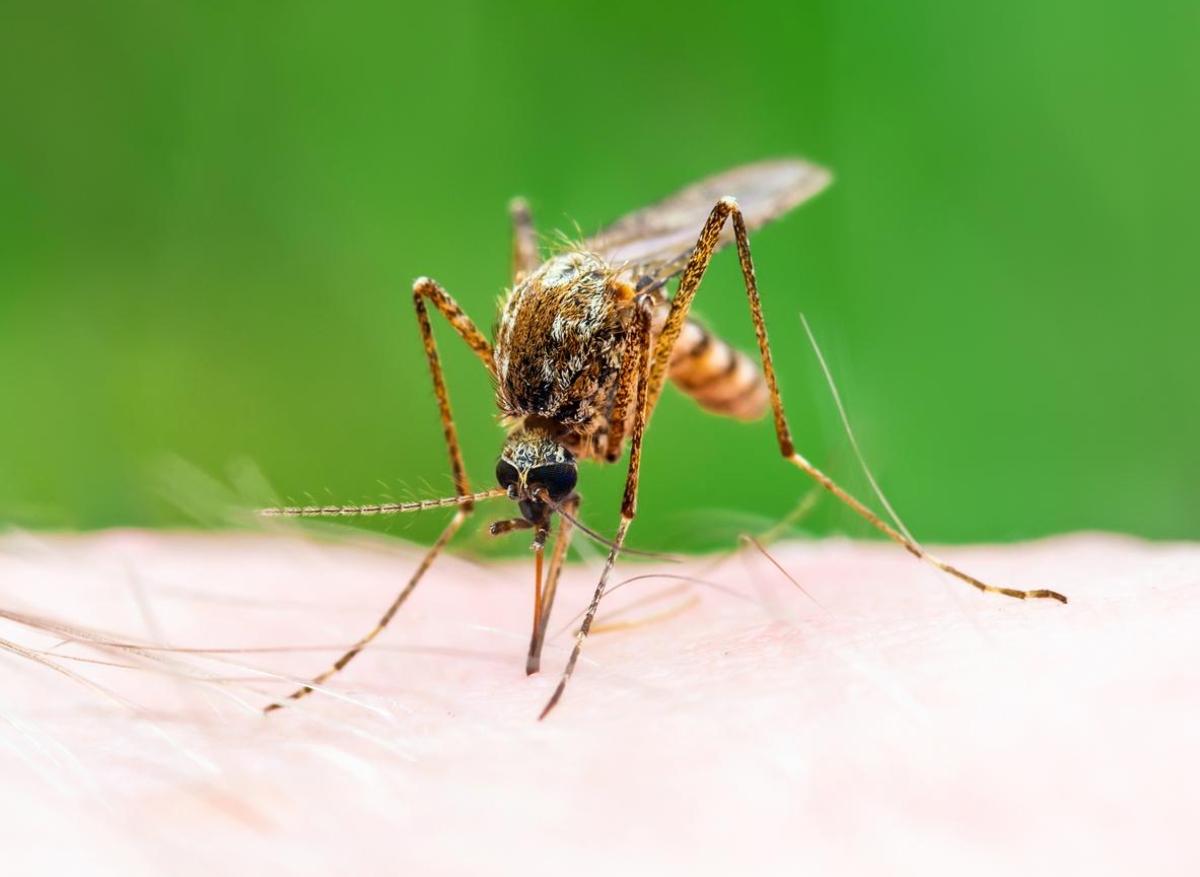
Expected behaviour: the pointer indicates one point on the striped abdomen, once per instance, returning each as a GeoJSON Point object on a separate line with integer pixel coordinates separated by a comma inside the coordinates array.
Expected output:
{"type": "Point", "coordinates": [723, 380]}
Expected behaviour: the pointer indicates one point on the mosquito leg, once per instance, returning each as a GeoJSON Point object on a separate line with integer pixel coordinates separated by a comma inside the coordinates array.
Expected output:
{"type": "Point", "coordinates": [727, 209]}
{"type": "Point", "coordinates": [525, 251]}
{"type": "Point", "coordinates": [618, 420]}
{"type": "Point", "coordinates": [562, 542]}
{"type": "Point", "coordinates": [425, 288]}
{"type": "Point", "coordinates": [426, 562]}
{"type": "Point", "coordinates": [637, 357]}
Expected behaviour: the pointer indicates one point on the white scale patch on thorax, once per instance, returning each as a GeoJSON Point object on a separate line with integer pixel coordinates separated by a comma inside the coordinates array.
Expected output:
{"type": "Point", "coordinates": [561, 270]}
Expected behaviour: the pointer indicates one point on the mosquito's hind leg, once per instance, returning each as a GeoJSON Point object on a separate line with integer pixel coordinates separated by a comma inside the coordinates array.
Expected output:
{"type": "Point", "coordinates": [423, 289]}
{"type": "Point", "coordinates": [727, 209]}
{"type": "Point", "coordinates": [525, 250]}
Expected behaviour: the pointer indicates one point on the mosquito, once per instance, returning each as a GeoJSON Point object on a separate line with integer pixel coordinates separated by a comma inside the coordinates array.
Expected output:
{"type": "Point", "coordinates": [583, 344]}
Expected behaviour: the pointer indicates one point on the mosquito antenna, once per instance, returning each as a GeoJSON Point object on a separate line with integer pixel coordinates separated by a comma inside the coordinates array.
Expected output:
{"type": "Point", "coordinates": [862, 461]}
{"type": "Point", "coordinates": [603, 540]}
{"type": "Point", "coordinates": [387, 508]}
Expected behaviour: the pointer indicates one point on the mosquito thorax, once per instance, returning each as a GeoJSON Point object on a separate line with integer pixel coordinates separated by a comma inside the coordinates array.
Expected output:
{"type": "Point", "coordinates": [560, 335]}
{"type": "Point", "coordinates": [532, 465]}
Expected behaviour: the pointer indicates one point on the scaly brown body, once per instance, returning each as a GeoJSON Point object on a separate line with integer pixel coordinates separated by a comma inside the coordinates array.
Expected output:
{"type": "Point", "coordinates": [559, 342]}
{"type": "Point", "coordinates": [561, 337]}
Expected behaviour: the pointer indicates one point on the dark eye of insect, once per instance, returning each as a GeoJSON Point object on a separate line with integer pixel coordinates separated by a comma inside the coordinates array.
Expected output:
{"type": "Point", "coordinates": [557, 478]}
{"type": "Point", "coordinates": [506, 473]}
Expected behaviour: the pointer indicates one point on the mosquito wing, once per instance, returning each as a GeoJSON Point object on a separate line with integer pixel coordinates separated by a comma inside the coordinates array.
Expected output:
{"type": "Point", "coordinates": [654, 243]}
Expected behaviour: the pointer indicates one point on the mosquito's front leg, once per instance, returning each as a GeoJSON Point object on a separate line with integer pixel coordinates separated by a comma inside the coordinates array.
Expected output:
{"type": "Point", "coordinates": [637, 357]}
{"type": "Point", "coordinates": [423, 289]}
{"type": "Point", "coordinates": [727, 209]}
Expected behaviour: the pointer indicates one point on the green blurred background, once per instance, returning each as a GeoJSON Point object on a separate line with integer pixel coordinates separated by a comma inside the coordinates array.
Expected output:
{"type": "Point", "coordinates": [210, 215]}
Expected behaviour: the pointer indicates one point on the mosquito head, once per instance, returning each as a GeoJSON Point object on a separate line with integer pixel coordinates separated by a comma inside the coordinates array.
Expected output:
{"type": "Point", "coordinates": [532, 462]}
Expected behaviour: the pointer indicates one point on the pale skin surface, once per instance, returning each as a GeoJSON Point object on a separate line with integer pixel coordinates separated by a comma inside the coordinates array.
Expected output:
{"type": "Point", "coordinates": [906, 723]}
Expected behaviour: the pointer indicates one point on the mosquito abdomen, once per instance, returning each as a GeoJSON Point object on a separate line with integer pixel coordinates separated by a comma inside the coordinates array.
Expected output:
{"type": "Point", "coordinates": [720, 378]}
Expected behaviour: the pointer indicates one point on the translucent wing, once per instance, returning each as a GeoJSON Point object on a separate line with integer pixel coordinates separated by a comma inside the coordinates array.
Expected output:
{"type": "Point", "coordinates": [654, 243]}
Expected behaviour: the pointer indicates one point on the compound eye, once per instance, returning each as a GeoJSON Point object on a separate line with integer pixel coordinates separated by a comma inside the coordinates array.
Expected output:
{"type": "Point", "coordinates": [506, 473]}
{"type": "Point", "coordinates": [558, 479]}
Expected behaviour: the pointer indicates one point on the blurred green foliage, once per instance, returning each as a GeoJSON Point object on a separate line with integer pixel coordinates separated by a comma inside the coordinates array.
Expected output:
{"type": "Point", "coordinates": [210, 215]}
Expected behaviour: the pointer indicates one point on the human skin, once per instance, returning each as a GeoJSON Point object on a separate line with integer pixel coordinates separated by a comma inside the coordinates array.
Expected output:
{"type": "Point", "coordinates": [885, 718]}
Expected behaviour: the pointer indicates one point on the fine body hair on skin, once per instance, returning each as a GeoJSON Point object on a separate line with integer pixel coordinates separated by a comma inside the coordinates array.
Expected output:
{"type": "Point", "coordinates": [776, 728]}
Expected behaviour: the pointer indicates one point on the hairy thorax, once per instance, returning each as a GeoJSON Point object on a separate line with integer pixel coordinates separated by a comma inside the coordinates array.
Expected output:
{"type": "Point", "coordinates": [560, 337]}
